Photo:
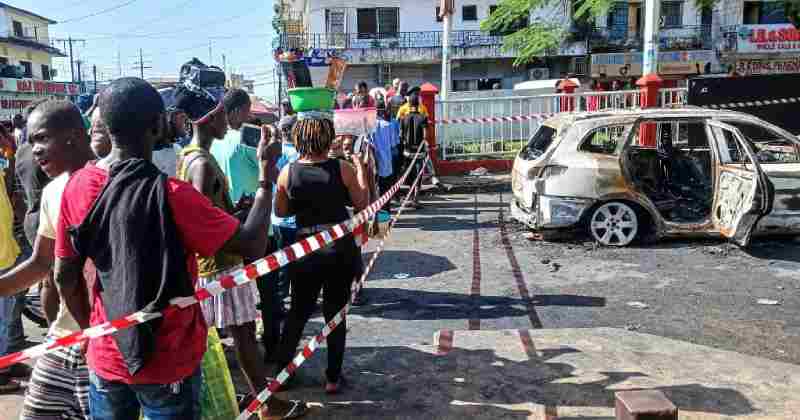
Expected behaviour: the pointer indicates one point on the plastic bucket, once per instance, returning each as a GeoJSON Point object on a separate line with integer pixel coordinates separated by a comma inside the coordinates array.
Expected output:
{"type": "Point", "coordinates": [311, 99]}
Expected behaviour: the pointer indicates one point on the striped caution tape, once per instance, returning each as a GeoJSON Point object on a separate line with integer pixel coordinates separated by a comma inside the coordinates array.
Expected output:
{"type": "Point", "coordinates": [515, 118]}
{"type": "Point", "coordinates": [237, 278]}
{"type": "Point", "coordinates": [750, 104]}
{"type": "Point", "coordinates": [315, 342]}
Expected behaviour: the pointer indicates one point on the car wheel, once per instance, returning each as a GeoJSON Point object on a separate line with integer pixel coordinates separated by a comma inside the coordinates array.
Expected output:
{"type": "Point", "coordinates": [614, 224]}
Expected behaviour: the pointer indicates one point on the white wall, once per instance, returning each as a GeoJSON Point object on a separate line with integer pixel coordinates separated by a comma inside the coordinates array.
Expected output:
{"type": "Point", "coordinates": [415, 15]}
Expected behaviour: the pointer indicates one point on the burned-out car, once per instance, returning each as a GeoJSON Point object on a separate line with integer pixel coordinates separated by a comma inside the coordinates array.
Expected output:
{"type": "Point", "coordinates": [667, 172]}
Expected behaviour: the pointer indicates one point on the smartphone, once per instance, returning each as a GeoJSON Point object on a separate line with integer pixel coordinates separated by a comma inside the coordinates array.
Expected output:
{"type": "Point", "coordinates": [251, 134]}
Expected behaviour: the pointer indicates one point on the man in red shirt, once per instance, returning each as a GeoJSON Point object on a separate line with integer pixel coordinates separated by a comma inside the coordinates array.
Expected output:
{"type": "Point", "coordinates": [167, 385]}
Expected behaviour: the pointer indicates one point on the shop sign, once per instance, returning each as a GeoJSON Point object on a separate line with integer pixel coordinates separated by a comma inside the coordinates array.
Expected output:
{"type": "Point", "coordinates": [40, 87]}
{"type": "Point", "coordinates": [749, 67]}
{"type": "Point", "coordinates": [762, 39]}
{"type": "Point", "coordinates": [669, 63]}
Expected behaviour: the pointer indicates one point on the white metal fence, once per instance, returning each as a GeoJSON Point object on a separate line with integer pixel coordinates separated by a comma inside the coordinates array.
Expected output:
{"type": "Point", "coordinates": [499, 126]}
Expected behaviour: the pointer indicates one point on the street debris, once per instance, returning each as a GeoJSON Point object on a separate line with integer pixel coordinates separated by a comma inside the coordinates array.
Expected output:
{"type": "Point", "coordinates": [555, 267]}
{"type": "Point", "coordinates": [401, 276]}
{"type": "Point", "coordinates": [770, 302]}
{"type": "Point", "coordinates": [545, 261]}
{"type": "Point", "coordinates": [633, 327]}
{"type": "Point", "coordinates": [479, 171]}
{"type": "Point", "coordinates": [533, 236]}
{"type": "Point", "coordinates": [638, 305]}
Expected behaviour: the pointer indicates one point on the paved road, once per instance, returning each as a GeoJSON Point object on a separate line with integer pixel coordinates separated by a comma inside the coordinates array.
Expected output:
{"type": "Point", "coordinates": [460, 264]}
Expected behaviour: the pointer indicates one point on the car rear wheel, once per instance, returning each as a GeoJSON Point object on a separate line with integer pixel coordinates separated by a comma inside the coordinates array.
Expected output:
{"type": "Point", "coordinates": [614, 224]}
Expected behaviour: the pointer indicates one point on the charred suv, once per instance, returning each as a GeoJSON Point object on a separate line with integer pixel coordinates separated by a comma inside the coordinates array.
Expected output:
{"type": "Point", "coordinates": [670, 172]}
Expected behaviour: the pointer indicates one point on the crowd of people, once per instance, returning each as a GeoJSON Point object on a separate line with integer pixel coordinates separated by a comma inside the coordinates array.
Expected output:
{"type": "Point", "coordinates": [146, 198]}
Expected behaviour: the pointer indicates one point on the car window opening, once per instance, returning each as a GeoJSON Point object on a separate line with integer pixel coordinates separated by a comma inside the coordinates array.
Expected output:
{"type": "Point", "coordinates": [676, 175]}
{"type": "Point", "coordinates": [539, 143]}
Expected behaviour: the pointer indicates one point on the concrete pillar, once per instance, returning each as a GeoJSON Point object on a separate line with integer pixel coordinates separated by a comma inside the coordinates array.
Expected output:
{"type": "Point", "coordinates": [427, 95]}
{"type": "Point", "coordinates": [649, 85]}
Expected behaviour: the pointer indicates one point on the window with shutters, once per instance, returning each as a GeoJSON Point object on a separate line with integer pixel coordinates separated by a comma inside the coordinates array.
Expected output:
{"type": "Point", "coordinates": [381, 22]}
{"type": "Point", "coordinates": [45, 72]}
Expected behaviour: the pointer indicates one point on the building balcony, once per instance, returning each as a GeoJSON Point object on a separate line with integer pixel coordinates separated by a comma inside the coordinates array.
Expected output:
{"type": "Point", "coordinates": [671, 38]}
{"type": "Point", "coordinates": [32, 40]}
{"type": "Point", "coordinates": [409, 47]}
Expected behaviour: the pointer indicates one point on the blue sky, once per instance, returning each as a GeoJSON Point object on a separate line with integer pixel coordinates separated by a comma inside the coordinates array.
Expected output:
{"type": "Point", "coordinates": [170, 32]}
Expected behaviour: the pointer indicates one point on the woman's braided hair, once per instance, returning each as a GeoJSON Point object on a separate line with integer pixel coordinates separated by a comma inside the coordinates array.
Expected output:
{"type": "Point", "coordinates": [313, 136]}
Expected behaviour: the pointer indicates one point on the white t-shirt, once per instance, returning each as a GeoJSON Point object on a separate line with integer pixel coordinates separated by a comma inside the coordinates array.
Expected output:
{"type": "Point", "coordinates": [166, 159]}
{"type": "Point", "coordinates": [49, 209]}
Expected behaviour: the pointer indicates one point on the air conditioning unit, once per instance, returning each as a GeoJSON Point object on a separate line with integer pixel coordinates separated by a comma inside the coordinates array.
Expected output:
{"type": "Point", "coordinates": [539, 73]}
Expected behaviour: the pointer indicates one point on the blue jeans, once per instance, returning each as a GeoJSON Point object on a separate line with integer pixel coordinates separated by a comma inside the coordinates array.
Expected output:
{"type": "Point", "coordinates": [6, 310]}
{"type": "Point", "coordinates": [117, 401]}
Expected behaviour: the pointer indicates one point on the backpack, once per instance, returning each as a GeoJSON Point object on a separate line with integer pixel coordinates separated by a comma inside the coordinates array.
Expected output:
{"type": "Point", "coordinates": [202, 75]}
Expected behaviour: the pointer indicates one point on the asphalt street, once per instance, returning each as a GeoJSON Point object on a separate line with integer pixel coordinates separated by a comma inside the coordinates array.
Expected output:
{"type": "Point", "coordinates": [460, 263]}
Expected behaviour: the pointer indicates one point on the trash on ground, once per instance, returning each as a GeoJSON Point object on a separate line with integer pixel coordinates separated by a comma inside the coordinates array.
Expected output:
{"type": "Point", "coordinates": [479, 171]}
{"type": "Point", "coordinates": [533, 236]}
{"type": "Point", "coordinates": [638, 305]}
{"type": "Point", "coordinates": [770, 302]}
{"type": "Point", "coordinates": [555, 267]}
{"type": "Point", "coordinates": [545, 261]}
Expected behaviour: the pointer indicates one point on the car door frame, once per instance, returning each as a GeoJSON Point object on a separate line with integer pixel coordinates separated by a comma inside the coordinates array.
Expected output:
{"type": "Point", "coordinates": [746, 206]}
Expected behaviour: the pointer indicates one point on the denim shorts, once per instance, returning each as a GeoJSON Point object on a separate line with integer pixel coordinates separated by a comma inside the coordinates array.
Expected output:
{"type": "Point", "coordinates": [110, 400]}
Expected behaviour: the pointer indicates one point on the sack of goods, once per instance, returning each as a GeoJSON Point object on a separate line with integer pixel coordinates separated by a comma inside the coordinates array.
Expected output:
{"type": "Point", "coordinates": [202, 75]}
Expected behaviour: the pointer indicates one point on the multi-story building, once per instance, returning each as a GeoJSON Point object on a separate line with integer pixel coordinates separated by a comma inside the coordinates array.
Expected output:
{"type": "Point", "coordinates": [755, 37]}
{"type": "Point", "coordinates": [402, 39]}
{"type": "Point", "coordinates": [26, 55]}
{"type": "Point", "coordinates": [685, 37]}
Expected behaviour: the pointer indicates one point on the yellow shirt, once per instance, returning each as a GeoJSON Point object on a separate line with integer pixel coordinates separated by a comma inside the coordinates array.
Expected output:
{"type": "Point", "coordinates": [9, 250]}
{"type": "Point", "coordinates": [406, 109]}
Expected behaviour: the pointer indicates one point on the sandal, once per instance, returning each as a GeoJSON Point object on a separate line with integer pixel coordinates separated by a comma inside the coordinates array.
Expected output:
{"type": "Point", "coordinates": [333, 388]}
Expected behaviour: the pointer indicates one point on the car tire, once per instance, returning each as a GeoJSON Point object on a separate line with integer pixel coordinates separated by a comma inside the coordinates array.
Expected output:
{"type": "Point", "coordinates": [614, 223]}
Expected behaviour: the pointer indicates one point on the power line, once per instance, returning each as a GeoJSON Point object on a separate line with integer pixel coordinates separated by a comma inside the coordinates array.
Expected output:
{"type": "Point", "coordinates": [98, 13]}
{"type": "Point", "coordinates": [200, 26]}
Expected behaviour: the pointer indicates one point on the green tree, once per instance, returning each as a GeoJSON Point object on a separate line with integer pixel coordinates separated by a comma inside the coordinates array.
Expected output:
{"type": "Point", "coordinates": [541, 36]}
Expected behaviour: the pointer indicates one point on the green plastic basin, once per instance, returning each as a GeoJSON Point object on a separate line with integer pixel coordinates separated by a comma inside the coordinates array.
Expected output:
{"type": "Point", "coordinates": [311, 99]}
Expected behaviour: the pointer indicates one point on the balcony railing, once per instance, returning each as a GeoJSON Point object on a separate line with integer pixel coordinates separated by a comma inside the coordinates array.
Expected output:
{"type": "Point", "coordinates": [430, 39]}
{"type": "Point", "coordinates": [676, 38]}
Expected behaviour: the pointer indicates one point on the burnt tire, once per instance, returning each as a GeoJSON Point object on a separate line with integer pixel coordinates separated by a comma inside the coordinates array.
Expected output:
{"type": "Point", "coordinates": [614, 223]}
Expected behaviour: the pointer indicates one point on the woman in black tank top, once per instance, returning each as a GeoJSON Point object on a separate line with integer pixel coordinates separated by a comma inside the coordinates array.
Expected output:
{"type": "Point", "coordinates": [317, 190]}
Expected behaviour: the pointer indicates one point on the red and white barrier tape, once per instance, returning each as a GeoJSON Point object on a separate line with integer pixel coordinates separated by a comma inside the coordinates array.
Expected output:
{"type": "Point", "coordinates": [237, 278]}
{"type": "Point", "coordinates": [315, 342]}
{"type": "Point", "coordinates": [515, 118]}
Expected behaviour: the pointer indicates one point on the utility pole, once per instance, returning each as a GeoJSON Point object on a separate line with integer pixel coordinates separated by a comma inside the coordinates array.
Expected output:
{"type": "Point", "coordinates": [68, 45]}
{"type": "Point", "coordinates": [651, 28]}
{"type": "Point", "coordinates": [119, 63]}
{"type": "Point", "coordinates": [210, 55]}
{"type": "Point", "coordinates": [141, 64]}
{"type": "Point", "coordinates": [446, 12]}
{"type": "Point", "coordinates": [224, 67]}
{"type": "Point", "coordinates": [94, 76]}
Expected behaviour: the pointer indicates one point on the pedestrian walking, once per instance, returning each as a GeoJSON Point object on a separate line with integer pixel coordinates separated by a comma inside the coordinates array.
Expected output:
{"type": "Point", "coordinates": [316, 190]}
{"type": "Point", "coordinates": [145, 264]}
{"type": "Point", "coordinates": [9, 251]}
{"type": "Point", "coordinates": [59, 386]}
